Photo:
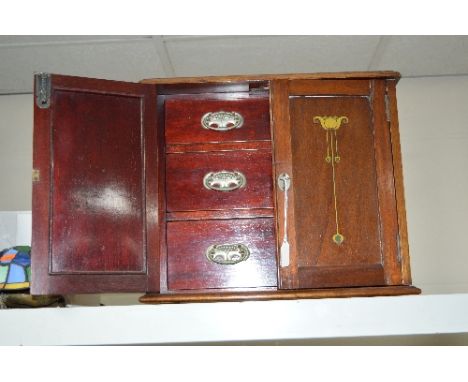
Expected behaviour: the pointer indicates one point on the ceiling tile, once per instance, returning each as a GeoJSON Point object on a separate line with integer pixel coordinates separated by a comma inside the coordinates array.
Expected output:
{"type": "Point", "coordinates": [424, 55]}
{"type": "Point", "coordinates": [131, 58]}
{"type": "Point", "coordinates": [21, 40]}
{"type": "Point", "coordinates": [270, 54]}
{"type": "Point", "coordinates": [188, 37]}
{"type": "Point", "coordinates": [125, 61]}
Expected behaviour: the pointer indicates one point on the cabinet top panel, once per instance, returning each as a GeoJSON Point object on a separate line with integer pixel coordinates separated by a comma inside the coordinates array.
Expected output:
{"type": "Point", "coordinates": [267, 77]}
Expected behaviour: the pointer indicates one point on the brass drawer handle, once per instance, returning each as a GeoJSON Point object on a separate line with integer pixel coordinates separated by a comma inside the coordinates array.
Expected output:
{"type": "Point", "coordinates": [227, 254]}
{"type": "Point", "coordinates": [224, 180]}
{"type": "Point", "coordinates": [222, 120]}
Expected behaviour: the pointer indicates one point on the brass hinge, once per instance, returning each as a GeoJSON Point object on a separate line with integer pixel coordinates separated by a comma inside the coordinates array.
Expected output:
{"type": "Point", "coordinates": [387, 108]}
{"type": "Point", "coordinates": [36, 175]}
{"type": "Point", "coordinates": [43, 87]}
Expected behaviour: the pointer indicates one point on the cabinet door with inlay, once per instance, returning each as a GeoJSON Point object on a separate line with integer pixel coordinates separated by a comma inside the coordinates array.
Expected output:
{"type": "Point", "coordinates": [336, 208]}
{"type": "Point", "coordinates": [94, 201]}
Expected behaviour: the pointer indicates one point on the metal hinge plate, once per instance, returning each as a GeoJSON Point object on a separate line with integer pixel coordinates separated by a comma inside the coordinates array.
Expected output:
{"type": "Point", "coordinates": [43, 87]}
{"type": "Point", "coordinates": [36, 175]}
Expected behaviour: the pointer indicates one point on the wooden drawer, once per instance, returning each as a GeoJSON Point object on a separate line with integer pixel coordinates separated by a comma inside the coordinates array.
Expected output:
{"type": "Point", "coordinates": [187, 176]}
{"type": "Point", "coordinates": [190, 268]}
{"type": "Point", "coordinates": [184, 120]}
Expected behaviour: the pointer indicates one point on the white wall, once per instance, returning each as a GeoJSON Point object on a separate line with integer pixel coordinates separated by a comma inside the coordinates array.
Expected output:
{"type": "Point", "coordinates": [434, 138]}
{"type": "Point", "coordinates": [16, 120]}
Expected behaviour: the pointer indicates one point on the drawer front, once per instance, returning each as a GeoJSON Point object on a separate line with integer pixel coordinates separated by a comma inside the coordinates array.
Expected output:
{"type": "Point", "coordinates": [219, 181]}
{"type": "Point", "coordinates": [201, 121]}
{"type": "Point", "coordinates": [221, 254]}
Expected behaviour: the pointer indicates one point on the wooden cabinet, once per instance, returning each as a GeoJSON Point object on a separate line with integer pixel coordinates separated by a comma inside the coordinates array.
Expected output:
{"type": "Point", "coordinates": [219, 188]}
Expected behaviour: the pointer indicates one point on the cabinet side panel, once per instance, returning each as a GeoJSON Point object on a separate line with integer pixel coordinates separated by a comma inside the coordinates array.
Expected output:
{"type": "Point", "coordinates": [386, 186]}
{"type": "Point", "coordinates": [399, 184]}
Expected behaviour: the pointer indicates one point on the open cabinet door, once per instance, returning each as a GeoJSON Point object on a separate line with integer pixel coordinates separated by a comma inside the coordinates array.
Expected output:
{"type": "Point", "coordinates": [95, 186]}
{"type": "Point", "coordinates": [336, 203]}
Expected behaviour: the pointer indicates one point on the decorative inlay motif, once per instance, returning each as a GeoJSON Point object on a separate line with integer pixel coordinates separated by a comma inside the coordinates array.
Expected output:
{"type": "Point", "coordinates": [331, 125]}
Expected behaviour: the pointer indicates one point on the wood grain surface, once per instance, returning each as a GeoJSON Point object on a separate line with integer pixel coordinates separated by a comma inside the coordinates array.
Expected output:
{"type": "Point", "coordinates": [183, 120]}
{"type": "Point", "coordinates": [271, 77]}
{"type": "Point", "coordinates": [386, 187]}
{"type": "Point", "coordinates": [356, 193]}
{"type": "Point", "coordinates": [91, 209]}
{"type": "Point", "coordinates": [329, 87]}
{"type": "Point", "coordinates": [188, 267]}
{"type": "Point", "coordinates": [282, 154]}
{"type": "Point", "coordinates": [98, 178]}
{"type": "Point", "coordinates": [185, 173]}
{"type": "Point", "coordinates": [217, 296]}
{"type": "Point", "coordinates": [399, 183]}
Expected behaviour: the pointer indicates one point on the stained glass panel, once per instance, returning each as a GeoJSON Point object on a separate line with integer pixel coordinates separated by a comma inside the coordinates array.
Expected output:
{"type": "Point", "coordinates": [15, 268]}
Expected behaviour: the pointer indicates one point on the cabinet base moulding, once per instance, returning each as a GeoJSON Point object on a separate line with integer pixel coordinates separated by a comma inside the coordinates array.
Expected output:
{"type": "Point", "coordinates": [279, 295]}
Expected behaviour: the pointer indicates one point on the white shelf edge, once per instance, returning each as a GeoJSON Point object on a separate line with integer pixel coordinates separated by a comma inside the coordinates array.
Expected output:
{"type": "Point", "coordinates": [237, 321]}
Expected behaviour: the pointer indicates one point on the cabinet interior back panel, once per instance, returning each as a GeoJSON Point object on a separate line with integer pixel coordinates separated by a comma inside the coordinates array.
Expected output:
{"type": "Point", "coordinates": [98, 203]}
{"type": "Point", "coordinates": [334, 184]}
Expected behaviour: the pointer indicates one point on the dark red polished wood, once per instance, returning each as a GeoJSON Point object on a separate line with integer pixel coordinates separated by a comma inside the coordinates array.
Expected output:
{"type": "Point", "coordinates": [94, 203]}
{"type": "Point", "coordinates": [218, 146]}
{"type": "Point", "coordinates": [188, 267]}
{"type": "Point", "coordinates": [183, 120]}
{"type": "Point", "coordinates": [98, 177]}
{"type": "Point", "coordinates": [221, 214]}
{"type": "Point", "coordinates": [157, 269]}
{"type": "Point", "coordinates": [185, 173]}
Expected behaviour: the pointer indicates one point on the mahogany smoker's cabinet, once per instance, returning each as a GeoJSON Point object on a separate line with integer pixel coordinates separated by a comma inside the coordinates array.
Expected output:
{"type": "Point", "coordinates": [219, 188]}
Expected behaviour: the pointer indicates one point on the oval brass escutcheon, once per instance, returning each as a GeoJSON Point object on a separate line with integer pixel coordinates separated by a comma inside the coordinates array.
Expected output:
{"type": "Point", "coordinates": [224, 180]}
{"type": "Point", "coordinates": [227, 254]}
{"type": "Point", "coordinates": [222, 120]}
